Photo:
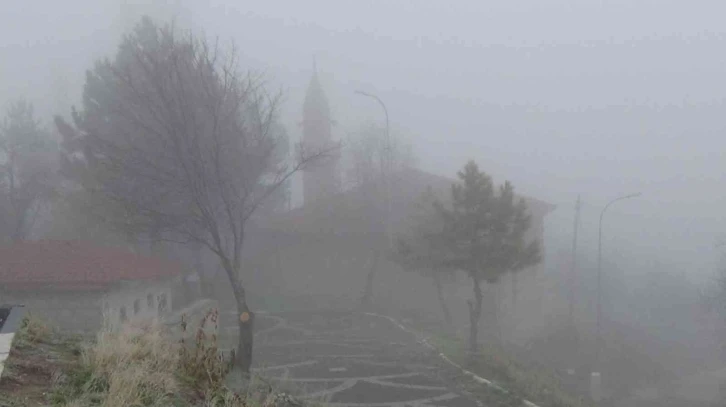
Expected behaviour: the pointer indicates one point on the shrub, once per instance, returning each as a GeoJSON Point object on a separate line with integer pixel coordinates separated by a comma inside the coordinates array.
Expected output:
{"type": "Point", "coordinates": [134, 366]}
{"type": "Point", "coordinates": [34, 330]}
{"type": "Point", "coordinates": [201, 364]}
{"type": "Point", "coordinates": [140, 365]}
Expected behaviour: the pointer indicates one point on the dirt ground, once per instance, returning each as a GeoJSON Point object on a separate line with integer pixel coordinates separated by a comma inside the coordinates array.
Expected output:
{"type": "Point", "coordinates": [33, 367]}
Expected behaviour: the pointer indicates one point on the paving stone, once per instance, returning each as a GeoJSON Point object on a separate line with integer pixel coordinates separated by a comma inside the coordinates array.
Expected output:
{"type": "Point", "coordinates": [420, 379]}
{"type": "Point", "coordinates": [348, 359]}
{"type": "Point", "coordinates": [364, 392]}
{"type": "Point", "coordinates": [353, 369]}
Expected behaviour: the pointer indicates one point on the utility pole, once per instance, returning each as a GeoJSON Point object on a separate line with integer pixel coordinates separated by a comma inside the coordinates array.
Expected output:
{"type": "Point", "coordinates": [573, 263]}
{"type": "Point", "coordinates": [596, 375]}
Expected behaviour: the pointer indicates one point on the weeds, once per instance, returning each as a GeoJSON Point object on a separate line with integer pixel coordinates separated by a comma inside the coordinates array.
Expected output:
{"type": "Point", "coordinates": [33, 330]}
{"type": "Point", "coordinates": [139, 365]}
{"type": "Point", "coordinates": [135, 366]}
{"type": "Point", "coordinates": [203, 366]}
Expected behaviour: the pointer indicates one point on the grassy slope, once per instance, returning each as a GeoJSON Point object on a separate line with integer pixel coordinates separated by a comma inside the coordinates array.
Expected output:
{"type": "Point", "coordinates": [523, 381]}
{"type": "Point", "coordinates": [36, 360]}
{"type": "Point", "coordinates": [138, 366]}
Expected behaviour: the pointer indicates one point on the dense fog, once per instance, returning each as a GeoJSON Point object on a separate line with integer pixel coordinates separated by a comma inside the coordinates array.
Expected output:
{"type": "Point", "coordinates": [561, 98]}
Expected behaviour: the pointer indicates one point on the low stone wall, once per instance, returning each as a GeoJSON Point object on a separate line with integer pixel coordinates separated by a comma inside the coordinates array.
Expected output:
{"type": "Point", "coordinates": [139, 301]}
{"type": "Point", "coordinates": [67, 311]}
{"type": "Point", "coordinates": [192, 315]}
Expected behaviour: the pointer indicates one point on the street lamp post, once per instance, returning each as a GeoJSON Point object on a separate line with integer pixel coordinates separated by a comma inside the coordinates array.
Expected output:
{"type": "Point", "coordinates": [598, 345]}
{"type": "Point", "coordinates": [387, 176]}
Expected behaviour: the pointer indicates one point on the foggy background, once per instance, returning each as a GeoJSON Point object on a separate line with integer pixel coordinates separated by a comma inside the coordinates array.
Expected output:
{"type": "Point", "coordinates": [560, 97]}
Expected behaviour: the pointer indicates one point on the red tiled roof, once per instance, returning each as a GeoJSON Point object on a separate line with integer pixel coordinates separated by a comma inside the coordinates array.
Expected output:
{"type": "Point", "coordinates": [58, 264]}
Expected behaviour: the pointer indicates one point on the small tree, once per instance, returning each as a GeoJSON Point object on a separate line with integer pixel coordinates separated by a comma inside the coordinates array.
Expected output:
{"type": "Point", "coordinates": [179, 145]}
{"type": "Point", "coordinates": [28, 160]}
{"type": "Point", "coordinates": [484, 234]}
{"type": "Point", "coordinates": [420, 250]}
{"type": "Point", "coordinates": [366, 153]}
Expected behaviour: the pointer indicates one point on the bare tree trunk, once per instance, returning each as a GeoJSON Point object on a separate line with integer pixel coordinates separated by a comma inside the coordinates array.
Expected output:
{"type": "Point", "coordinates": [474, 316]}
{"type": "Point", "coordinates": [245, 319]}
{"type": "Point", "coordinates": [498, 320]}
{"type": "Point", "coordinates": [202, 288]}
{"type": "Point", "coordinates": [367, 298]}
{"type": "Point", "coordinates": [442, 300]}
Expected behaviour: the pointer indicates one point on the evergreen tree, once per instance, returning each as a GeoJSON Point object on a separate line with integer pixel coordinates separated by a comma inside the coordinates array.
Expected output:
{"type": "Point", "coordinates": [484, 234]}
{"type": "Point", "coordinates": [28, 159]}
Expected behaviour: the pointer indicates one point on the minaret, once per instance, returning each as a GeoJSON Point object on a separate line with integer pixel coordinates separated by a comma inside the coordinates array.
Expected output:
{"type": "Point", "coordinates": [321, 179]}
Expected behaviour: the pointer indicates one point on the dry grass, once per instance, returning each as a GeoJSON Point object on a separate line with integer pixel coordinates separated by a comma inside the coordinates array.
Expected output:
{"type": "Point", "coordinates": [134, 366]}
{"type": "Point", "coordinates": [140, 365]}
{"type": "Point", "coordinates": [34, 329]}
{"type": "Point", "coordinates": [137, 365]}
{"type": "Point", "coordinates": [36, 360]}
{"type": "Point", "coordinates": [200, 362]}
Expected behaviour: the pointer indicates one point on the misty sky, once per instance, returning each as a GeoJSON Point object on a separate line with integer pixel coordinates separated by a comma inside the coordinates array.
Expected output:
{"type": "Point", "coordinates": [597, 98]}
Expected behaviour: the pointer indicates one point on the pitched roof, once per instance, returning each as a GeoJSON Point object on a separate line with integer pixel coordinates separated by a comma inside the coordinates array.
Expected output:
{"type": "Point", "coordinates": [73, 265]}
{"type": "Point", "coordinates": [359, 210]}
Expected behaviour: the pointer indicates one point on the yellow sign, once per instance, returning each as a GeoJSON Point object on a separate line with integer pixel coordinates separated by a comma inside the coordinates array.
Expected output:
{"type": "Point", "coordinates": [244, 317]}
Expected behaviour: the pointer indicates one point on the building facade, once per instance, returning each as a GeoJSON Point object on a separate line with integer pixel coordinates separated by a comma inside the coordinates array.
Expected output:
{"type": "Point", "coordinates": [79, 287]}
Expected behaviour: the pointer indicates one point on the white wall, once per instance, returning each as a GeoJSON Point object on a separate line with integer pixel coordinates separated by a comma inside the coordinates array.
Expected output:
{"type": "Point", "coordinates": [140, 300]}
{"type": "Point", "coordinates": [74, 311]}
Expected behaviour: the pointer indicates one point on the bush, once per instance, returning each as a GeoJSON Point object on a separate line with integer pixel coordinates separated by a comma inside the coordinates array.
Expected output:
{"type": "Point", "coordinates": [135, 366]}
{"type": "Point", "coordinates": [201, 364]}
{"type": "Point", "coordinates": [34, 330]}
{"type": "Point", "coordinates": [139, 365]}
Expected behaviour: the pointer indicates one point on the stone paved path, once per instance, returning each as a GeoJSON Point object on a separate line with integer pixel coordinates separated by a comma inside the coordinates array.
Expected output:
{"type": "Point", "coordinates": [347, 359]}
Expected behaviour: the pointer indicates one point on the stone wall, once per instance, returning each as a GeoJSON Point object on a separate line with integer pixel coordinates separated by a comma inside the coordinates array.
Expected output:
{"type": "Point", "coordinates": [193, 315]}
{"type": "Point", "coordinates": [137, 301]}
{"type": "Point", "coordinates": [68, 311]}
{"type": "Point", "coordinates": [86, 311]}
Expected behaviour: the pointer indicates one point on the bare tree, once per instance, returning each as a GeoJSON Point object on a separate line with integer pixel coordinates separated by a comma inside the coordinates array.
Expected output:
{"type": "Point", "coordinates": [365, 153]}
{"type": "Point", "coordinates": [28, 160]}
{"type": "Point", "coordinates": [180, 144]}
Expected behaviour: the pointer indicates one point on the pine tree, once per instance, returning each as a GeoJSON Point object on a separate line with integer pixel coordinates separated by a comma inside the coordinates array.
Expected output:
{"type": "Point", "coordinates": [484, 234]}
